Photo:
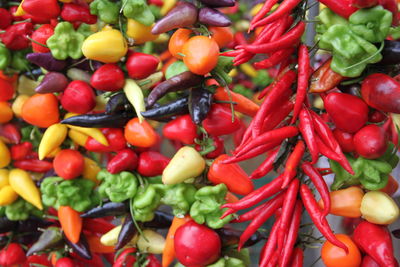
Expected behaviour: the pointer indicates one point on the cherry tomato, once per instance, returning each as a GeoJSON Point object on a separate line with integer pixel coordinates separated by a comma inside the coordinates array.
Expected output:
{"type": "Point", "coordinates": [78, 97]}
{"type": "Point", "coordinates": [177, 40]}
{"type": "Point", "coordinates": [345, 140]}
{"type": "Point", "coordinates": [370, 142]}
{"type": "Point", "coordinates": [140, 134]}
{"type": "Point", "coordinates": [333, 256]}
{"type": "Point", "coordinates": [41, 110]}
{"type": "Point", "coordinates": [69, 164]}
{"type": "Point", "coordinates": [201, 54]}
{"type": "Point", "coordinates": [108, 77]}
{"type": "Point", "coordinates": [222, 35]}
{"type": "Point", "coordinates": [141, 65]}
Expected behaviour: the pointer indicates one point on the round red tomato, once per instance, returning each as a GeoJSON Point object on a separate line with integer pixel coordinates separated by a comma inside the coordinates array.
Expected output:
{"type": "Point", "coordinates": [333, 256]}
{"type": "Point", "coordinates": [68, 164]}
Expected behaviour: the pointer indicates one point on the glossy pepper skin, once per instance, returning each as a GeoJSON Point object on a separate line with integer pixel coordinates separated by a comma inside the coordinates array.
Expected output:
{"type": "Point", "coordinates": [141, 65]}
{"type": "Point", "coordinates": [15, 37]}
{"type": "Point", "coordinates": [115, 138]}
{"type": "Point", "coordinates": [126, 159]}
{"type": "Point", "coordinates": [108, 77]}
{"type": "Point", "coordinates": [139, 11]}
{"type": "Point", "coordinates": [41, 35]}
{"type": "Point", "coordinates": [77, 13]}
{"type": "Point", "coordinates": [219, 121]}
{"type": "Point", "coordinates": [117, 187]}
{"type": "Point", "coordinates": [105, 10]}
{"type": "Point", "coordinates": [151, 163]}
{"type": "Point", "coordinates": [36, 8]}
{"type": "Point", "coordinates": [181, 129]}
{"type": "Point", "coordinates": [376, 241]}
{"type": "Point", "coordinates": [165, 112]}
{"type": "Point", "coordinates": [199, 104]}
{"type": "Point", "coordinates": [146, 201]}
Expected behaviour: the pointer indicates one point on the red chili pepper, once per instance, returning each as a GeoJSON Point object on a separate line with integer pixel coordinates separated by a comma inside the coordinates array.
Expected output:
{"type": "Point", "coordinates": [141, 65]}
{"type": "Point", "coordinates": [33, 165]}
{"type": "Point", "coordinates": [345, 140]}
{"type": "Point", "coordinates": [77, 13]}
{"type": "Point", "coordinates": [266, 166]}
{"type": "Point", "coordinates": [126, 159]}
{"type": "Point", "coordinates": [151, 163]}
{"type": "Point", "coordinates": [284, 8]}
{"type": "Point", "coordinates": [291, 237]}
{"type": "Point", "coordinates": [5, 18]}
{"type": "Point", "coordinates": [326, 151]}
{"type": "Point", "coordinates": [108, 77]}
{"type": "Point", "coordinates": [274, 59]}
{"type": "Point", "coordinates": [44, 9]}
{"type": "Point", "coordinates": [297, 258]}
{"type": "Point", "coordinates": [239, 38]}
{"type": "Point", "coordinates": [280, 90]}
{"type": "Point", "coordinates": [250, 214]}
{"type": "Point", "coordinates": [238, 136]}
{"type": "Point", "coordinates": [261, 218]}
{"type": "Point", "coordinates": [277, 116]}
{"type": "Point", "coordinates": [181, 129]}
{"type": "Point", "coordinates": [252, 153]}
{"type": "Point", "coordinates": [40, 36]}
{"type": "Point", "coordinates": [288, 207]}
{"type": "Point", "coordinates": [286, 41]}
{"type": "Point", "coordinates": [97, 226]}
{"type": "Point", "coordinates": [115, 138]}
{"type": "Point", "coordinates": [265, 9]}
{"type": "Point", "coordinates": [306, 127]}
{"type": "Point", "coordinates": [292, 163]}
{"type": "Point", "coordinates": [15, 37]}
{"type": "Point", "coordinates": [10, 132]}
{"type": "Point", "coordinates": [319, 221]}
{"type": "Point", "coordinates": [219, 121]}
{"type": "Point", "coordinates": [269, 248]}
{"type": "Point", "coordinates": [13, 254]}
{"type": "Point", "coordinates": [21, 151]}
{"type": "Point", "coordinates": [342, 7]}
{"type": "Point", "coordinates": [302, 80]}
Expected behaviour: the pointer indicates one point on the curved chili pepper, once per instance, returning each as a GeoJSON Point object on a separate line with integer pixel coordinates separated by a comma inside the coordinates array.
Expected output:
{"type": "Point", "coordinates": [274, 59]}
{"type": "Point", "coordinates": [269, 247]}
{"type": "Point", "coordinates": [81, 248]}
{"type": "Point", "coordinates": [250, 214]}
{"type": "Point", "coordinates": [10, 132]}
{"type": "Point", "coordinates": [325, 150]}
{"type": "Point", "coordinates": [266, 166]}
{"type": "Point", "coordinates": [292, 163]}
{"type": "Point", "coordinates": [99, 120]}
{"type": "Point", "coordinates": [277, 116]}
{"type": "Point", "coordinates": [33, 165]}
{"type": "Point", "coordinates": [306, 127]}
{"type": "Point", "coordinates": [46, 61]}
{"type": "Point", "coordinates": [302, 80]}
{"type": "Point", "coordinates": [126, 159]}
{"type": "Point", "coordinates": [118, 103]}
{"type": "Point", "coordinates": [52, 82]}
{"type": "Point", "coordinates": [252, 153]}
{"type": "Point", "coordinates": [177, 107]}
{"type": "Point", "coordinates": [265, 9]}
{"type": "Point", "coordinates": [213, 17]}
{"type": "Point", "coordinates": [108, 209]}
{"type": "Point", "coordinates": [199, 104]}
{"type": "Point", "coordinates": [128, 231]}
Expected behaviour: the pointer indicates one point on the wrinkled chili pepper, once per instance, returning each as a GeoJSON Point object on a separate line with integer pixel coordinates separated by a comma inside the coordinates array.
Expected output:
{"type": "Point", "coordinates": [177, 107]}
{"type": "Point", "coordinates": [99, 120]}
{"type": "Point", "coordinates": [199, 104]}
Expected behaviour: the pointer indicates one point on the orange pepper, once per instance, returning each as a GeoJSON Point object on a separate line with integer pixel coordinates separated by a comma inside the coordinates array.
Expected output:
{"type": "Point", "coordinates": [6, 112]}
{"type": "Point", "coordinates": [345, 202]}
{"type": "Point", "coordinates": [201, 54]}
{"type": "Point", "coordinates": [97, 247]}
{"type": "Point", "coordinates": [140, 134]}
{"type": "Point", "coordinates": [244, 105]}
{"type": "Point", "coordinates": [71, 223]}
{"type": "Point", "coordinates": [41, 110]}
{"type": "Point", "coordinates": [231, 198]}
{"type": "Point", "coordinates": [177, 41]}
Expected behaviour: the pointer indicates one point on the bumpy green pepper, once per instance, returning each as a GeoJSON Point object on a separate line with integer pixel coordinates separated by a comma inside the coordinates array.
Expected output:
{"type": "Point", "coordinates": [76, 193]}
{"type": "Point", "coordinates": [20, 210]}
{"type": "Point", "coordinates": [106, 10]}
{"type": "Point", "coordinates": [228, 262]}
{"type": "Point", "coordinates": [372, 24]}
{"type": "Point", "coordinates": [65, 42]}
{"type": "Point", "coordinates": [138, 10]}
{"type": "Point", "coordinates": [206, 208]}
{"type": "Point", "coordinates": [19, 61]}
{"type": "Point", "coordinates": [117, 187]}
{"type": "Point", "coordinates": [220, 72]}
{"type": "Point", "coordinates": [146, 201]}
{"type": "Point", "coordinates": [180, 197]}
{"type": "Point", "coordinates": [5, 57]}
{"type": "Point", "coordinates": [328, 18]}
{"type": "Point", "coordinates": [351, 53]}
{"type": "Point", "coordinates": [85, 30]}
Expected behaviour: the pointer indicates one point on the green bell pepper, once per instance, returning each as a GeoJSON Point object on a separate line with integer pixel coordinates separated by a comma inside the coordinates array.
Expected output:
{"type": "Point", "coordinates": [5, 57]}
{"type": "Point", "coordinates": [106, 10]}
{"type": "Point", "coordinates": [146, 201]}
{"type": "Point", "coordinates": [206, 209]}
{"type": "Point", "coordinates": [65, 42]}
{"type": "Point", "coordinates": [372, 24]}
{"type": "Point", "coordinates": [20, 210]}
{"type": "Point", "coordinates": [117, 187]}
{"type": "Point", "coordinates": [19, 61]}
{"type": "Point", "coordinates": [180, 197]}
{"type": "Point", "coordinates": [228, 262]}
{"type": "Point", "coordinates": [175, 68]}
{"type": "Point", "coordinates": [138, 10]}
{"type": "Point", "coordinates": [77, 193]}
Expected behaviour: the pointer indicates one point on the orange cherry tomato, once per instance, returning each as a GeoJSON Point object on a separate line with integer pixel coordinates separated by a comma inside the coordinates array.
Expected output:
{"type": "Point", "coordinates": [41, 110]}
{"type": "Point", "coordinates": [222, 35]}
{"type": "Point", "coordinates": [177, 40]}
{"type": "Point", "coordinates": [346, 202]}
{"type": "Point", "coordinates": [391, 186]}
{"type": "Point", "coordinates": [6, 112]}
{"type": "Point", "coordinates": [201, 54]}
{"type": "Point", "coordinates": [140, 134]}
{"type": "Point", "coordinates": [334, 256]}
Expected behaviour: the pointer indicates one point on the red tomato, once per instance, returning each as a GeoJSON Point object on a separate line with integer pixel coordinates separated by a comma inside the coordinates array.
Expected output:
{"type": "Point", "coordinates": [141, 65]}
{"type": "Point", "coordinates": [370, 142]}
{"type": "Point", "coordinates": [333, 256]}
{"type": "Point", "coordinates": [68, 164]}
{"type": "Point", "coordinates": [196, 245]}
{"type": "Point", "coordinates": [78, 97]}
{"type": "Point", "coordinates": [108, 77]}
{"type": "Point", "coordinates": [345, 140]}
{"type": "Point", "coordinates": [65, 262]}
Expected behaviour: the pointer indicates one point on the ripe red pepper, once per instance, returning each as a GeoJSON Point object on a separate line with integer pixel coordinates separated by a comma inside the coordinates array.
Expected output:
{"type": "Point", "coordinates": [375, 240]}
{"type": "Point", "coordinates": [345, 140]}
{"type": "Point", "coordinates": [12, 254]}
{"type": "Point", "coordinates": [292, 163]}
{"type": "Point", "coordinates": [65, 262]}
{"type": "Point", "coordinates": [97, 225]}
{"type": "Point", "coordinates": [77, 13]}
{"type": "Point", "coordinates": [141, 65]}
{"type": "Point", "coordinates": [341, 7]}
{"type": "Point", "coordinates": [126, 258]}
{"type": "Point", "coordinates": [364, 3]}
{"type": "Point", "coordinates": [39, 260]}
{"type": "Point", "coordinates": [10, 132]}
{"type": "Point", "coordinates": [108, 77]}
{"type": "Point", "coordinates": [181, 129]}
{"type": "Point", "coordinates": [69, 164]}
{"type": "Point", "coordinates": [21, 151]}
{"type": "Point", "coordinates": [78, 97]}
{"type": "Point", "coordinates": [302, 80]}
{"type": "Point", "coordinates": [151, 163]}
{"type": "Point", "coordinates": [7, 90]}
{"type": "Point", "coordinates": [126, 159]}
{"type": "Point", "coordinates": [218, 144]}
{"type": "Point", "coordinates": [33, 165]}
{"type": "Point", "coordinates": [286, 7]}
{"type": "Point", "coordinates": [232, 175]}
{"type": "Point", "coordinates": [370, 142]}
{"type": "Point", "coordinates": [5, 18]}
{"type": "Point", "coordinates": [40, 36]}
{"type": "Point", "coordinates": [115, 138]}
{"type": "Point", "coordinates": [307, 131]}
{"type": "Point", "coordinates": [44, 9]}
{"type": "Point", "coordinates": [219, 121]}
{"type": "Point", "coordinates": [297, 258]}
{"type": "Point", "coordinates": [15, 37]}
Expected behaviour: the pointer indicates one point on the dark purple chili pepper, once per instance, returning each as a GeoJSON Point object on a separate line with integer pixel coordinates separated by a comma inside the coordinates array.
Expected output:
{"type": "Point", "coordinates": [52, 82]}
{"type": "Point", "coordinates": [99, 120]}
{"type": "Point", "coordinates": [128, 231]}
{"type": "Point", "coordinates": [199, 104]}
{"type": "Point", "coordinates": [108, 209]}
{"type": "Point", "coordinates": [213, 17]}
{"type": "Point", "coordinates": [46, 61]}
{"type": "Point", "coordinates": [81, 248]}
{"type": "Point", "coordinates": [218, 3]}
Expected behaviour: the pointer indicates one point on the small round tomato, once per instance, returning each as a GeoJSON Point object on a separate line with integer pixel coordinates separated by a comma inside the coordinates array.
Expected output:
{"type": "Point", "coordinates": [41, 110]}
{"type": "Point", "coordinates": [201, 54]}
{"type": "Point", "coordinates": [6, 112]}
{"type": "Point", "coordinates": [78, 97]}
{"type": "Point", "coordinates": [108, 77]}
{"type": "Point", "coordinates": [187, 249]}
{"type": "Point", "coordinates": [345, 140]}
{"type": "Point", "coordinates": [177, 40]}
{"type": "Point", "coordinates": [370, 141]}
{"type": "Point", "coordinates": [141, 65]}
{"type": "Point", "coordinates": [140, 134]}
{"type": "Point", "coordinates": [7, 90]}
{"type": "Point", "coordinates": [222, 35]}
{"type": "Point", "coordinates": [69, 164]}
{"type": "Point", "coordinates": [333, 256]}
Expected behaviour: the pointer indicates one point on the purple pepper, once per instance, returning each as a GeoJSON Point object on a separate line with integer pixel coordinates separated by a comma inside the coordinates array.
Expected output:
{"type": "Point", "coordinates": [46, 61]}
{"type": "Point", "coordinates": [52, 82]}
{"type": "Point", "coordinates": [218, 3]}
{"type": "Point", "coordinates": [86, 65]}
{"type": "Point", "coordinates": [183, 15]}
{"type": "Point", "coordinates": [212, 17]}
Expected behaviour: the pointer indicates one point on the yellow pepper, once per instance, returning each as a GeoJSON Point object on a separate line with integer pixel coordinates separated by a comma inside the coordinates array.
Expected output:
{"type": "Point", "coordinates": [95, 133]}
{"type": "Point", "coordinates": [90, 170]}
{"type": "Point", "coordinates": [26, 86]}
{"type": "Point", "coordinates": [4, 173]}
{"type": "Point", "coordinates": [5, 156]}
{"type": "Point", "coordinates": [20, 11]}
{"type": "Point", "coordinates": [78, 137]}
{"type": "Point", "coordinates": [151, 242]}
{"type": "Point", "coordinates": [148, 82]}
{"type": "Point", "coordinates": [255, 9]}
{"type": "Point", "coordinates": [7, 195]}
{"type": "Point", "coordinates": [54, 152]}
{"type": "Point", "coordinates": [52, 138]}
{"type": "Point", "coordinates": [135, 96]}
{"type": "Point", "coordinates": [108, 46]}
{"type": "Point", "coordinates": [248, 70]}
{"type": "Point", "coordinates": [167, 6]}
{"type": "Point", "coordinates": [379, 208]}
{"type": "Point", "coordinates": [187, 163]}
{"type": "Point", "coordinates": [18, 103]}
{"type": "Point", "coordinates": [139, 33]}
{"type": "Point", "coordinates": [22, 183]}
{"type": "Point", "coordinates": [111, 237]}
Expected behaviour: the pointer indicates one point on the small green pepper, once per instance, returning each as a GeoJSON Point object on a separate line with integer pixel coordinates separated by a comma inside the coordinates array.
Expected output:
{"type": "Point", "coordinates": [65, 42]}
{"type": "Point", "coordinates": [85, 30]}
{"type": "Point", "coordinates": [228, 262]}
{"type": "Point", "coordinates": [180, 197]}
{"type": "Point", "coordinates": [372, 24]}
{"type": "Point", "coordinates": [5, 57]}
{"type": "Point", "coordinates": [207, 207]}
{"type": "Point", "coordinates": [19, 61]}
{"type": "Point", "coordinates": [139, 11]}
{"type": "Point", "coordinates": [106, 10]}
{"type": "Point", "coordinates": [20, 210]}
{"type": "Point", "coordinates": [117, 187]}
{"type": "Point", "coordinates": [146, 201]}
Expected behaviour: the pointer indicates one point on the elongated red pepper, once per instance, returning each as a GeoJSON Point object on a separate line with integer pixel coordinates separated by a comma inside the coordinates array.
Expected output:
{"type": "Point", "coordinates": [33, 165]}
{"type": "Point", "coordinates": [342, 8]}
{"type": "Point", "coordinates": [126, 159]}
{"type": "Point", "coordinates": [325, 150]}
{"type": "Point", "coordinates": [292, 163]}
{"type": "Point", "coordinates": [253, 152]}
{"type": "Point", "coordinates": [277, 116]}
{"type": "Point", "coordinates": [269, 247]}
{"type": "Point", "coordinates": [77, 13]}
{"type": "Point", "coordinates": [21, 151]}
{"type": "Point", "coordinates": [250, 215]}
{"type": "Point", "coordinates": [274, 59]}
{"type": "Point", "coordinates": [302, 80]}
{"type": "Point", "coordinates": [306, 127]}
{"type": "Point", "coordinates": [266, 166]}
{"type": "Point", "coordinates": [97, 226]}
{"type": "Point", "coordinates": [297, 258]}
{"type": "Point", "coordinates": [315, 213]}
{"type": "Point", "coordinates": [265, 9]}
